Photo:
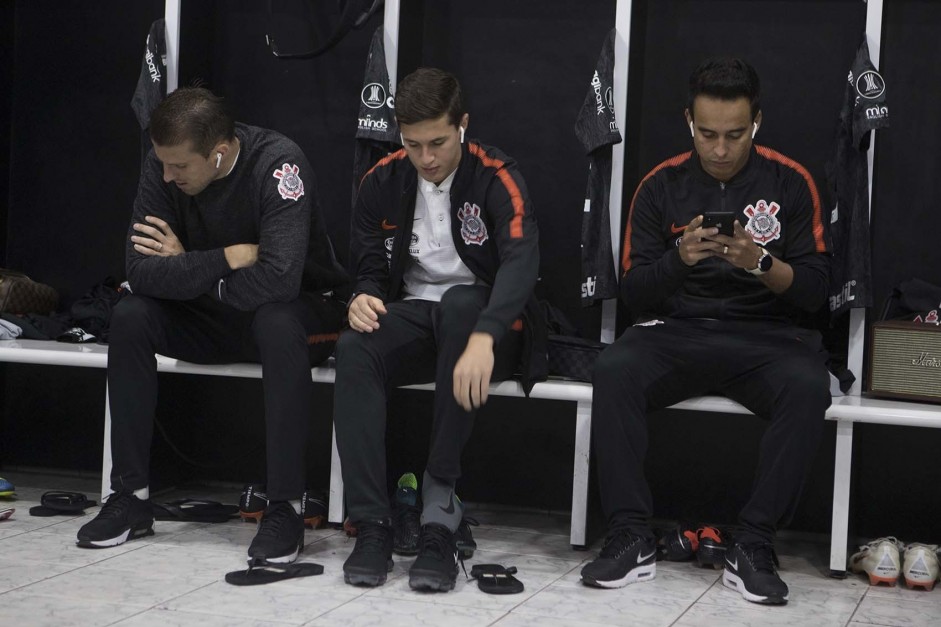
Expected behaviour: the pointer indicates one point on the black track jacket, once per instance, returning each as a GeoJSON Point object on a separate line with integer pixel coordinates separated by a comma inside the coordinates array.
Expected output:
{"type": "Point", "coordinates": [773, 197]}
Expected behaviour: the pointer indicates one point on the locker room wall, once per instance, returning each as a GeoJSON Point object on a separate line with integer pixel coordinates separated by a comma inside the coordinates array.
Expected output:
{"type": "Point", "coordinates": [525, 67]}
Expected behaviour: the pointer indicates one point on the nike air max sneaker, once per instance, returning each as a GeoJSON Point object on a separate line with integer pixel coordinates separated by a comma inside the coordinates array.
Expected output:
{"type": "Point", "coordinates": [711, 548]}
{"type": "Point", "coordinates": [624, 558]}
{"type": "Point", "coordinates": [280, 535]}
{"type": "Point", "coordinates": [879, 560]}
{"type": "Point", "coordinates": [406, 515]}
{"type": "Point", "coordinates": [371, 560]}
{"type": "Point", "coordinates": [435, 568]}
{"type": "Point", "coordinates": [751, 569]}
{"type": "Point", "coordinates": [464, 538]}
{"type": "Point", "coordinates": [123, 517]}
{"type": "Point", "coordinates": [920, 565]}
{"type": "Point", "coordinates": [679, 544]}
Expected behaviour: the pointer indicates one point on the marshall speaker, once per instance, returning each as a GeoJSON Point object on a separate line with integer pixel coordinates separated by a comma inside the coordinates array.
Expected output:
{"type": "Point", "coordinates": [906, 361]}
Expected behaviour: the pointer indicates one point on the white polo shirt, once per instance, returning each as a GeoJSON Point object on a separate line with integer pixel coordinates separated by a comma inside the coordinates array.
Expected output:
{"type": "Point", "coordinates": [436, 267]}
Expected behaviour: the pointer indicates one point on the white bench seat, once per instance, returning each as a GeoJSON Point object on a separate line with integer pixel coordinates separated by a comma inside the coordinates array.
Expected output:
{"type": "Point", "coordinates": [845, 410]}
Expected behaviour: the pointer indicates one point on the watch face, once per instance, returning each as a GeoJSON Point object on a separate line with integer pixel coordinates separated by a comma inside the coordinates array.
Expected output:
{"type": "Point", "coordinates": [764, 264]}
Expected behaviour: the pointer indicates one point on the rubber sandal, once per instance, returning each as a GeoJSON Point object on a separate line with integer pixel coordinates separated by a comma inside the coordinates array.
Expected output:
{"type": "Point", "coordinates": [261, 572]}
{"type": "Point", "coordinates": [496, 579]}
{"type": "Point", "coordinates": [6, 513]}
{"type": "Point", "coordinates": [61, 503]}
{"type": "Point", "coordinates": [194, 510]}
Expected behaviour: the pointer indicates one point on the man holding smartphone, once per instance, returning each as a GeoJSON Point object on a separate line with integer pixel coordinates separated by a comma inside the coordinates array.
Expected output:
{"type": "Point", "coordinates": [716, 313]}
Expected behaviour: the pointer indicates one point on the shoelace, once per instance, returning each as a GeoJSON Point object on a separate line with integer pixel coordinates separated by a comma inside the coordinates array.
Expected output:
{"type": "Point", "coordinates": [437, 540]}
{"type": "Point", "coordinates": [371, 537]}
{"type": "Point", "coordinates": [117, 505]}
{"type": "Point", "coordinates": [274, 518]}
{"type": "Point", "coordinates": [618, 540]}
{"type": "Point", "coordinates": [762, 556]}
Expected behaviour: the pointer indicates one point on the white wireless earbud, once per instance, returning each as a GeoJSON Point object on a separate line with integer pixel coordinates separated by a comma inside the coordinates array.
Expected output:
{"type": "Point", "coordinates": [218, 159]}
{"type": "Point", "coordinates": [754, 130]}
{"type": "Point", "coordinates": [461, 131]}
{"type": "Point", "coordinates": [692, 131]}
{"type": "Point", "coordinates": [401, 139]}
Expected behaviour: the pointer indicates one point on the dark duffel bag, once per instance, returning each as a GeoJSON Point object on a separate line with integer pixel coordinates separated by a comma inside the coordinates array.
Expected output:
{"type": "Point", "coordinates": [21, 295]}
{"type": "Point", "coordinates": [573, 357]}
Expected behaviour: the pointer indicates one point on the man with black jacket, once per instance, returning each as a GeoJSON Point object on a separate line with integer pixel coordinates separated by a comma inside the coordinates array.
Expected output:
{"type": "Point", "coordinates": [229, 260]}
{"type": "Point", "coordinates": [445, 254]}
{"type": "Point", "coordinates": [715, 313]}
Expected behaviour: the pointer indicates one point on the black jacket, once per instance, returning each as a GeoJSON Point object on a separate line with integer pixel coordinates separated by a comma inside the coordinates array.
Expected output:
{"type": "Point", "coordinates": [775, 199]}
{"type": "Point", "coordinates": [504, 253]}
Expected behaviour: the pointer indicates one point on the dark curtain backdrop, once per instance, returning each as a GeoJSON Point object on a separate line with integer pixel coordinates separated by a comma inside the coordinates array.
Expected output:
{"type": "Point", "coordinates": [68, 71]}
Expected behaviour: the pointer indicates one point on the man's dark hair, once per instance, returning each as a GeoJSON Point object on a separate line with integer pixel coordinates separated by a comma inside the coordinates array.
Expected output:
{"type": "Point", "coordinates": [194, 114]}
{"type": "Point", "coordinates": [427, 94]}
{"type": "Point", "coordinates": [727, 79]}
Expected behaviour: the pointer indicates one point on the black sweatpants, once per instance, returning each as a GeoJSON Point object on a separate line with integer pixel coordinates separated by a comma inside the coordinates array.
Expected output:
{"type": "Point", "coordinates": [286, 338]}
{"type": "Point", "coordinates": [417, 342]}
{"type": "Point", "coordinates": [776, 371]}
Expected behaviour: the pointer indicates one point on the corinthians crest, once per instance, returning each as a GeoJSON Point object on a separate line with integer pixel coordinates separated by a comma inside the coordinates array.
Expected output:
{"type": "Point", "coordinates": [762, 223]}
{"type": "Point", "coordinates": [473, 229]}
{"type": "Point", "coordinates": [291, 185]}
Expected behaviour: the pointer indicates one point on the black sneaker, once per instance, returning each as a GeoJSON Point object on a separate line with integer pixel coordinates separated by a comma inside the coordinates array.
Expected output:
{"type": "Point", "coordinates": [406, 516]}
{"type": "Point", "coordinates": [315, 509]}
{"type": "Point", "coordinates": [751, 569]}
{"type": "Point", "coordinates": [280, 535]}
{"type": "Point", "coordinates": [123, 517]}
{"type": "Point", "coordinates": [679, 544]}
{"type": "Point", "coordinates": [625, 558]}
{"type": "Point", "coordinates": [712, 547]}
{"type": "Point", "coordinates": [253, 502]}
{"type": "Point", "coordinates": [436, 566]}
{"type": "Point", "coordinates": [371, 560]}
{"type": "Point", "coordinates": [465, 539]}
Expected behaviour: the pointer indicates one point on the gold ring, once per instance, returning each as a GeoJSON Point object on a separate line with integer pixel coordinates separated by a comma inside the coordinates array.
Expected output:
{"type": "Point", "coordinates": [725, 251]}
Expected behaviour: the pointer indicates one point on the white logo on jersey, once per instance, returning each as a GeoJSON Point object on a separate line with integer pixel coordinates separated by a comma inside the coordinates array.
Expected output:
{"type": "Point", "coordinates": [290, 186]}
{"type": "Point", "coordinates": [473, 229]}
{"type": "Point", "coordinates": [870, 85]}
{"type": "Point", "coordinates": [588, 287]}
{"type": "Point", "coordinates": [762, 224]}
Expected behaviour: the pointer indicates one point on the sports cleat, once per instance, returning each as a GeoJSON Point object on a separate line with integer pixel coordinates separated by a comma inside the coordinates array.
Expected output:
{"type": "Point", "coordinates": [253, 502]}
{"type": "Point", "coordinates": [879, 559]}
{"type": "Point", "coordinates": [371, 560]}
{"type": "Point", "coordinates": [679, 544]}
{"type": "Point", "coordinates": [123, 517]}
{"type": "Point", "coordinates": [920, 565]}
{"type": "Point", "coordinates": [751, 568]}
{"type": "Point", "coordinates": [6, 488]}
{"type": "Point", "coordinates": [280, 535]}
{"type": "Point", "coordinates": [435, 568]}
{"type": "Point", "coordinates": [406, 516]}
{"type": "Point", "coordinates": [625, 558]}
{"type": "Point", "coordinates": [712, 547]}
{"type": "Point", "coordinates": [464, 539]}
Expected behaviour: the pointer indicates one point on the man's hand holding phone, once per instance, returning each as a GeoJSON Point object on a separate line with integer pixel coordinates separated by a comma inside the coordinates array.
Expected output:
{"type": "Point", "coordinates": [697, 243]}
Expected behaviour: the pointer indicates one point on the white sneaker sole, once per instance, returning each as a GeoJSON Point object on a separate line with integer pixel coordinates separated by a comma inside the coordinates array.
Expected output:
{"type": "Point", "coordinates": [117, 540]}
{"type": "Point", "coordinates": [641, 573]}
{"type": "Point", "coordinates": [730, 580]}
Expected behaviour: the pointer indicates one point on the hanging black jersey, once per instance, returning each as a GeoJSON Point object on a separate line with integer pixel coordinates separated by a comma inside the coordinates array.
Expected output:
{"type": "Point", "coordinates": [597, 129]}
{"type": "Point", "coordinates": [151, 84]}
{"type": "Point", "coordinates": [864, 110]}
{"type": "Point", "coordinates": [377, 133]}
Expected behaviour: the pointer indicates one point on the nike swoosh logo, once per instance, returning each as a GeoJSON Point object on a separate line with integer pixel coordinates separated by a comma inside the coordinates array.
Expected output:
{"type": "Point", "coordinates": [732, 565]}
{"type": "Point", "coordinates": [643, 558]}
{"type": "Point", "coordinates": [677, 229]}
{"type": "Point", "coordinates": [450, 508]}
{"type": "Point", "coordinates": [388, 227]}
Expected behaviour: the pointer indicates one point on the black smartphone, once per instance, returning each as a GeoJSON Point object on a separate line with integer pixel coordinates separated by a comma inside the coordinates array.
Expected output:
{"type": "Point", "coordinates": [722, 220]}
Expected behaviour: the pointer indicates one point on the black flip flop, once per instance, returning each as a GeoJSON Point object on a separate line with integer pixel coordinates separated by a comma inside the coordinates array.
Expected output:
{"type": "Point", "coordinates": [260, 573]}
{"type": "Point", "coordinates": [61, 503]}
{"type": "Point", "coordinates": [496, 579]}
{"type": "Point", "coordinates": [194, 510]}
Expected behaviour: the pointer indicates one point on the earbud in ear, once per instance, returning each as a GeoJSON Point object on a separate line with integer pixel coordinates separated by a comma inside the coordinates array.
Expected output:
{"type": "Point", "coordinates": [218, 159]}
{"type": "Point", "coordinates": [754, 129]}
{"type": "Point", "coordinates": [461, 131]}
{"type": "Point", "coordinates": [401, 139]}
{"type": "Point", "coordinates": [692, 131]}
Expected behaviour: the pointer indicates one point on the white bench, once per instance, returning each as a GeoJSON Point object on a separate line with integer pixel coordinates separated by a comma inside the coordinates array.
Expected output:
{"type": "Point", "coordinates": [845, 410]}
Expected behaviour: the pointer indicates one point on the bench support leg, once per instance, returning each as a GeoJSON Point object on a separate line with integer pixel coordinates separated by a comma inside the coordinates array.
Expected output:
{"type": "Point", "coordinates": [106, 451]}
{"type": "Point", "coordinates": [335, 514]}
{"type": "Point", "coordinates": [841, 498]}
{"type": "Point", "coordinates": [580, 474]}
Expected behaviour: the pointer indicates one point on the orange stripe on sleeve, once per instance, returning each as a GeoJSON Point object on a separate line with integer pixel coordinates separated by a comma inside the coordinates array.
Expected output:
{"type": "Point", "coordinates": [669, 163]}
{"type": "Point", "coordinates": [774, 155]}
{"type": "Point", "coordinates": [395, 156]}
{"type": "Point", "coordinates": [516, 197]}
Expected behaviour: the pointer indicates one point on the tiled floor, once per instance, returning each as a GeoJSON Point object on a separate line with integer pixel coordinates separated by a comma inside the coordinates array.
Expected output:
{"type": "Point", "coordinates": [176, 578]}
